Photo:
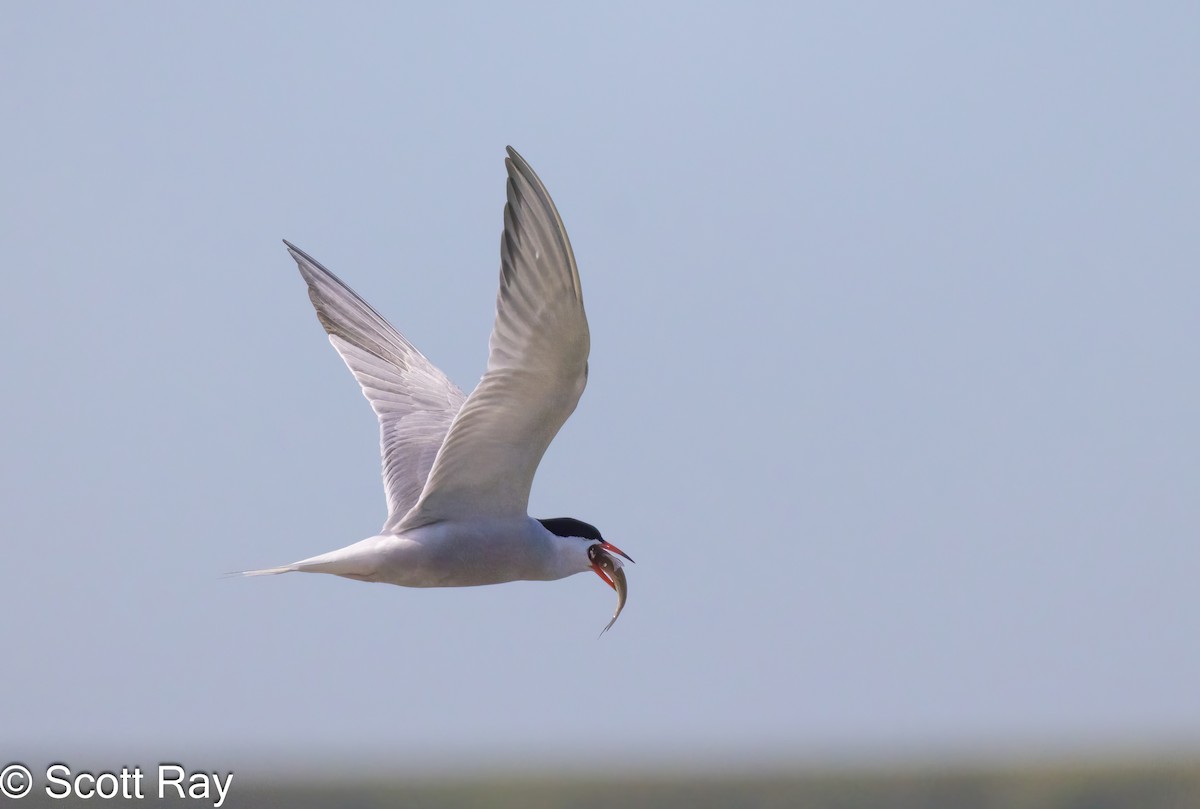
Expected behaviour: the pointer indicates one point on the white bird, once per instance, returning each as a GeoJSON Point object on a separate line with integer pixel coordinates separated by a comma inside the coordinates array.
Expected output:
{"type": "Point", "coordinates": [457, 469]}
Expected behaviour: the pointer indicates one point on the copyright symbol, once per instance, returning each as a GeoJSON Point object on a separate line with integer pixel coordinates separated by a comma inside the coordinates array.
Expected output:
{"type": "Point", "coordinates": [15, 781]}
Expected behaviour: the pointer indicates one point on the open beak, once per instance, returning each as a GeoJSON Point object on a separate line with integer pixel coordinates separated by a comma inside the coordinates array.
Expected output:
{"type": "Point", "coordinates": [604, 567]}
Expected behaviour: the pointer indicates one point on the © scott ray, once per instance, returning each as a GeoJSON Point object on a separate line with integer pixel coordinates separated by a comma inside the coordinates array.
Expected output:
{"type": "Point", "coordinates": [172, 779]}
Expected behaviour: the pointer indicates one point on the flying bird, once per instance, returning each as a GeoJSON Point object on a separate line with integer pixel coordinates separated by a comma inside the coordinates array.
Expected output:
{"type": "Point", "coordinates": [457, 469]}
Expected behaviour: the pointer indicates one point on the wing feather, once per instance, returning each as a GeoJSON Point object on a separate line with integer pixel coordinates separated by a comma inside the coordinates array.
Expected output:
{"type": "Point", "coordinates": [537, 367]}
{"type": "Point", "coordinates": [414, 401]}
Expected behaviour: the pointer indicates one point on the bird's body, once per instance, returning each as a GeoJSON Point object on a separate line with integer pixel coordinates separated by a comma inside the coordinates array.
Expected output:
{"type": "Point", "coordinates": [460, 553]}
{"type": "Point", "coordinates": [457, 469]}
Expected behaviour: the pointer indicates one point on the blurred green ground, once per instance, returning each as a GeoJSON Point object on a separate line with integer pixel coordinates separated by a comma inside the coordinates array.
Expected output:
{"type": "Point", "coordinates": [1085, 786]}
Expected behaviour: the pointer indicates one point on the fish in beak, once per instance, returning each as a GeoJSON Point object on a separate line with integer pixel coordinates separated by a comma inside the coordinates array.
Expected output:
{"type": "Point", "coordinates": [609, 568]}
{"type": "Point", "coordinates": [622, 591]}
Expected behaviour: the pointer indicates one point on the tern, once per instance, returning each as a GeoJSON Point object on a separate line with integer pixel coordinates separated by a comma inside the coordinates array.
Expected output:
{"type": "Point", "coordinates": [457, 469]}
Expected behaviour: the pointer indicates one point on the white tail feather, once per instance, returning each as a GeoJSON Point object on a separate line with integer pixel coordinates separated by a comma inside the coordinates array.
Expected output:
{"type": "Point", "coordinates": [266, 571]}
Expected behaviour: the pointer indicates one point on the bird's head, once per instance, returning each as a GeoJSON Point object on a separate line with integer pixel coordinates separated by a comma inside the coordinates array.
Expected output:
{"type": "Point", "coordinates": [602, 556]}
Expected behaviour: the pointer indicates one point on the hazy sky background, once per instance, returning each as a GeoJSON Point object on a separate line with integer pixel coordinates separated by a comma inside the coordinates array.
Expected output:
{"type": "Point", "coordinates": [893, 391]}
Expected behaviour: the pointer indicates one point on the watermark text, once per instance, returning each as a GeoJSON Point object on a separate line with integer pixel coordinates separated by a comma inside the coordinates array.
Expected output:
{"type": "Point", "coordinates": [128, 783]}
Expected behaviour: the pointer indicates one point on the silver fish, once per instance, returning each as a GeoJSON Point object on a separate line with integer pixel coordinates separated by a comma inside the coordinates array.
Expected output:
{"type": "Point", "coordinates": [618, 577]}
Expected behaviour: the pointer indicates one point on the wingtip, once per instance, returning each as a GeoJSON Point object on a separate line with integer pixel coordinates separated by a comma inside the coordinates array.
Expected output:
{"type": "Point", "coordinates": [514, 159]}
{"type": "Point", "coordinates": [300, 256]}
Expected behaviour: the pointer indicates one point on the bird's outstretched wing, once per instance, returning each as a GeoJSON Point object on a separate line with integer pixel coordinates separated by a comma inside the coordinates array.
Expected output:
{"type": "Point", "coordinates": [415, 401]}
{"type": "Point", "coordinates": [537, 368]}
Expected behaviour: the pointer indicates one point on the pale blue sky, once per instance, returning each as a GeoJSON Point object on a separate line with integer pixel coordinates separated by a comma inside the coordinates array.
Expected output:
{"type": "Point", "coordinates": [893, 394]}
